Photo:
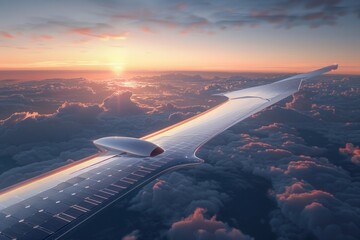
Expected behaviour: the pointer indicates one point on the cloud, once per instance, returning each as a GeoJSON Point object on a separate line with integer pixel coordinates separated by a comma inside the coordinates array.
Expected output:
{"type": "Point", "coordinates": [189, 194]}
{"type": "Point", "coordinates": [87, 31]}
{"type": "Point", "coordinates": [351, 151]}
{"type": "Point", "coordinates": [131, 236]}
{"type": "Point", "coordinates": [290, 154]}
{"type": "Point", "coordinates": [308, 4]}
{"type": "Point", "coordinates": [315, 197]}
{"type": "Point", "coordinates": [69, 25]}
{"type": "Point", "coordinates": [121, 103]}
{"type": "Point", "coordinates": [217, 16]}
{"type": "Point", "coordinates": [196, 226]}
{"type": "Point", "coordinates": [278, 17]}
{"type": "Point", "coordinates": [33, 142]}
{"type": "Point", "coordinates": [45, 37]}
{"type": "Point", "coordinates": [7, 35]}
{"type": "Point", "coordinates": [310, 191]}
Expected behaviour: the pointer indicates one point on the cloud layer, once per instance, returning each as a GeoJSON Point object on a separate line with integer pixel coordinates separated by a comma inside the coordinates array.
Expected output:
{"type": "Point", "coordinates": [287, 171]}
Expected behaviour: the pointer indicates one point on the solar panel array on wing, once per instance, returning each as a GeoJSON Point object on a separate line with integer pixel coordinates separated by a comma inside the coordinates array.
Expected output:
{"type": "Point", "coordinates": [46, 213]}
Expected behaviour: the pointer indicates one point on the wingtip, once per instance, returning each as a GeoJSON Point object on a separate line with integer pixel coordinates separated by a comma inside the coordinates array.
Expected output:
{"type": "Point", "coordinates": [335, 66]}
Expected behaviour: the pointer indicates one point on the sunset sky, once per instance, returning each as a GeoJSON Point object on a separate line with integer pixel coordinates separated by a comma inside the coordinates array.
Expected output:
{"type": "Point", "coordinates": [203, 35]}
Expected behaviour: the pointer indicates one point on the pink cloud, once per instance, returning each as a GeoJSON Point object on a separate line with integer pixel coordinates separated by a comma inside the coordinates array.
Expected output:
{"type": "Point", "coordinates": [86, 31]}
{"type": "Point", "coordinates": [257, 145]}
{"type": "Point", "coordinates": [158, 184]}
{"type": "Point", "coordinates": [297, 196]}
{"type": "Point", "coordinates": [43, 37]}
{"type": "Point", "coordinates": [146, 29]}
{"type": "Point", "coordinates": [352, 151]}
{"type": "Point", "coordinates": [6, 35]}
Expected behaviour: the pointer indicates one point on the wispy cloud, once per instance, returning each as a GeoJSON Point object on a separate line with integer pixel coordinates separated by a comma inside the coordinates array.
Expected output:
{"type": "Point", "coordinates": [207, 15]}
{"type": "Point", "coordinates": [86, 31]}
{"type": "Point", "coordinates": [43, 37]}
{"type": "Point", "coordinates": [6, 35]}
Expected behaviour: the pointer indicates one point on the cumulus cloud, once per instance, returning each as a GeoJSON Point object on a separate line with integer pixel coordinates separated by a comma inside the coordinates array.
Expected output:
{"type": "Point", "coordinates": [351, 151]}
{"type": "Point", "coordinates": [121, 103]}
{"type": "Point", "coordinates": [32, 142]}
{"type": "Point", "coordinates": [189, 194]}
{"type": "Point", "coordinates": [311, 192]}
{"type": "Point", "coordinates": [46, 96]}
{"type": "Point", "coordinates": [315, 197]}
{"type": "Point", "coordinates": [196, 226]}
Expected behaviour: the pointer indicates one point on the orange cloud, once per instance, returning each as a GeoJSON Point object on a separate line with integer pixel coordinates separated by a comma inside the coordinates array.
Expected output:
{"type": "Point", "coordinates": [86, 31]}
{"type": "Point", "coordinates": [6, 35]}
{"type": "Point", "coordinates": [146, 29]}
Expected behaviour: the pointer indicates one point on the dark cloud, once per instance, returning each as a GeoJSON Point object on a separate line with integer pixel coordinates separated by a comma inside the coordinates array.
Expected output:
{"type": "Point", "coordinates": [189, 194]}
{"type": "Point", "coordinates": [315, 3]}
{"type": "Point", "coordinates": [118, 18]}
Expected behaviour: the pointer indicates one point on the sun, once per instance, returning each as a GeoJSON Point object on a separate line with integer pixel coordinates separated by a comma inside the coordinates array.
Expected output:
{"type": "Point", "coordinates": [117, 69]}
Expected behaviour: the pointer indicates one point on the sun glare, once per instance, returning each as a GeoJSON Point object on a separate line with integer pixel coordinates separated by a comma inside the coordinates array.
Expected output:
{"type": "Point", "coordinates": [117, 69]}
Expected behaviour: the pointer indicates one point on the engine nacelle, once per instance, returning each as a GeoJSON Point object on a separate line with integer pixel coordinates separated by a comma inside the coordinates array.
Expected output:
{"type": "Point", "coordinates": [135, 146]}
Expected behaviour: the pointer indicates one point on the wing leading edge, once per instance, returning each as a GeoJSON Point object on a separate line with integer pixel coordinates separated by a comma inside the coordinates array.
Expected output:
{"type": "Point", "coordinates": [240, 105]}
{"type": "Point", "coordinates": [50, 205]}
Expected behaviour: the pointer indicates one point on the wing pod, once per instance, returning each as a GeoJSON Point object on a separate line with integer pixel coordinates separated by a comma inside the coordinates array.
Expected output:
{"type": "Point", "coordinates": [134, 146]}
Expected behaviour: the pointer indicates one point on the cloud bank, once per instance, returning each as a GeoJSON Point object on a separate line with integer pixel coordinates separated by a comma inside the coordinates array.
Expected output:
{"type": "Point", "coordinates": [287, 171]}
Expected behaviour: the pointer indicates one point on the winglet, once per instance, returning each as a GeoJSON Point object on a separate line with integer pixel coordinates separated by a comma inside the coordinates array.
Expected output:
{"type": "Point", "coordinates": [287, 86]}
{"type": "Point", "coordinates": [317, 72]}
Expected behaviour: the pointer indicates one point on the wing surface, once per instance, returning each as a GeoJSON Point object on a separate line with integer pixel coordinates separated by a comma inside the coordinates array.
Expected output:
{"type": "Point", "coordinates": [50, 205]}
{"type": "Point", "coordinates": [190, 134]}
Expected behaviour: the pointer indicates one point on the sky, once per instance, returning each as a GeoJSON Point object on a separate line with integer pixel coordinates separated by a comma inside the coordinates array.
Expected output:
{"type": "Point", "coordinates": [160, 35]}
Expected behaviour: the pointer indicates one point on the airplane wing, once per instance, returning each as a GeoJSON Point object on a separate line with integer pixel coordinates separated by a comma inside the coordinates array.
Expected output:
{"type": "Point", "coordinates": [52, 204]}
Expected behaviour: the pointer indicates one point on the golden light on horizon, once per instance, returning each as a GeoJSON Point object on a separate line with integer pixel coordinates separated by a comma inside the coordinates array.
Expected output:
{"type": "Point", "coordinates": [117, 69]}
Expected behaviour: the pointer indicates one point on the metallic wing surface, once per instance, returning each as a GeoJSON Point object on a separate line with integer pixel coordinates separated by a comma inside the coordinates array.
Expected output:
{"type": "Point", "coordinates": [52, 204]}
